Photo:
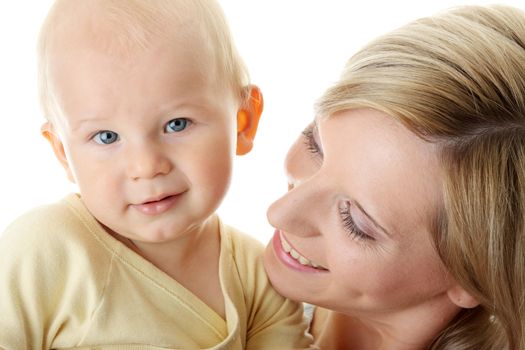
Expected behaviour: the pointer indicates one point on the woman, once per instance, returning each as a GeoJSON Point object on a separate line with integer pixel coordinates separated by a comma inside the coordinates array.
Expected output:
{"type": "Point", "coordinates": [405, 219]}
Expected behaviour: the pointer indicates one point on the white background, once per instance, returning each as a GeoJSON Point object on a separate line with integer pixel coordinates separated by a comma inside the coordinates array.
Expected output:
{"type": "Point", "coordinates": [294, 49]}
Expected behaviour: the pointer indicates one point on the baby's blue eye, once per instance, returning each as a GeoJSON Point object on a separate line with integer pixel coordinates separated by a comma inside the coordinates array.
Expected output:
{"type": "Point", "coordinates": [176, 125]}
{"type": "Point", "coordinates": [106, 137]}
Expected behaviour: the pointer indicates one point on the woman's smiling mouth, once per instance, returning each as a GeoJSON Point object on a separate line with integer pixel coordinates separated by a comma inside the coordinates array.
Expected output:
{"type": "Point", "coordinates": [291, 256]}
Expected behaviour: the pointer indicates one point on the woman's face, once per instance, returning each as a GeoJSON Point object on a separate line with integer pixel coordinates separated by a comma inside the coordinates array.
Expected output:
{"type": "Point", "coordinates": [353, 232]}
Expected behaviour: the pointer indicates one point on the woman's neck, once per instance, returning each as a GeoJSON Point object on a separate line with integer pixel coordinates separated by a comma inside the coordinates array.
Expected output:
{"type": "Point", "coordinates": [409, 329]}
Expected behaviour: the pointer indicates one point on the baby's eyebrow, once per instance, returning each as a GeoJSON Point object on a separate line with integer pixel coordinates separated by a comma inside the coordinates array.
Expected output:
{"type": "Point", "coordinates": [80, 123]}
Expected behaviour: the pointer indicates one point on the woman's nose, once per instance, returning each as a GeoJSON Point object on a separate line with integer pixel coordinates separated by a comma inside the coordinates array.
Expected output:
{"type": "Point", "coordinates": [147, 162]}
{"type": "Point", "coordinates": [297, 211]}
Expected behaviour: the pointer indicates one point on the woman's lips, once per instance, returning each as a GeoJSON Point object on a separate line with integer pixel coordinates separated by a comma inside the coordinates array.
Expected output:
{"type": "Point", "coordinates": [291, 258]}
{"type": "Point", "coordinates": [158, 206]}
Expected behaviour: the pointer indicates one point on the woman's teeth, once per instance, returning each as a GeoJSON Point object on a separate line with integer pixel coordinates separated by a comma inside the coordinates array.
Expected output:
{"type": "Point", "coordinates": [294, 254]}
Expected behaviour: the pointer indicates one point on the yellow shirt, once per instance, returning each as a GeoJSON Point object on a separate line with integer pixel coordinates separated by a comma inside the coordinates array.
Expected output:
{"type": "Point", "coordinates": [66, 283]}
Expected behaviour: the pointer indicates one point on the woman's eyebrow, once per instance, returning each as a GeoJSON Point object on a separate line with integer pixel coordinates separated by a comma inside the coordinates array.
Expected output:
{"type": "Point", "coordinates": [376, 224]}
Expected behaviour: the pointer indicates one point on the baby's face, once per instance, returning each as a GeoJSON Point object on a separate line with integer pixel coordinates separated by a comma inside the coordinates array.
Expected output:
{"type": "Point", "coordinates": [149, 137]}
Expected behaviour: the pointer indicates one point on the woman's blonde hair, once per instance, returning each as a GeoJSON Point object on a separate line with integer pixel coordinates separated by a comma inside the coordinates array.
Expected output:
{"type": "Point", "coordinates": [120, 26]}
{"type": "Point", "coordinates": [458, 79]}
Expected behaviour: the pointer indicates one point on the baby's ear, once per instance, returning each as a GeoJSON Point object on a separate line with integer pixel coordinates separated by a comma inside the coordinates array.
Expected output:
{"type": "Point", "coordinates": [248, 118]}
{"type": "Point", "coordinates": [461, 297]}
{"type": "Point", "coordinates": [48, 131]}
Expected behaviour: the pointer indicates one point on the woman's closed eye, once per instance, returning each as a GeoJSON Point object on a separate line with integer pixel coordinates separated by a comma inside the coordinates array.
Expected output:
{"type": "Point", "coordinates": [310, 135]}
{"type": "Point", "coordinates": [349, 224]}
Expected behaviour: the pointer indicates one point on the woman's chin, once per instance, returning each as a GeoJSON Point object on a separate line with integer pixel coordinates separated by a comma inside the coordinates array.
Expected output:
{"type": "Point", "coordinates": [278, 278]}
{"type": "Point", "coordinates": [287, 282]}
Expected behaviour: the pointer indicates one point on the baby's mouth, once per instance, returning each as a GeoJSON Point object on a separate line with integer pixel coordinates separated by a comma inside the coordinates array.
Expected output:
{"type": "Point", "coordinates": [157, 205]}
{"type": "Point", "coordinates": [295, 255]}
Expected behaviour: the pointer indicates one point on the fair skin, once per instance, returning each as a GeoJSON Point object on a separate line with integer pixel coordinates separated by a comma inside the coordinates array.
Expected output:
{"type": "Point", "coordinates": [363, 190]}
{"type": "Point", "coordinates": [149, 138]}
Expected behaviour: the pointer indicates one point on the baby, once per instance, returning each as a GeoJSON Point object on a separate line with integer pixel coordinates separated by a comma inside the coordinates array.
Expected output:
{"type": "Point", "coordinates": [147, 101]}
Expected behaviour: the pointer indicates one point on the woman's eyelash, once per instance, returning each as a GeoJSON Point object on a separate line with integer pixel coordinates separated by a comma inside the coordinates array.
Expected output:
{"type": "Point", "coordinates": [310, 142]}
{"type": "Point", "coordinates": [349, 224]}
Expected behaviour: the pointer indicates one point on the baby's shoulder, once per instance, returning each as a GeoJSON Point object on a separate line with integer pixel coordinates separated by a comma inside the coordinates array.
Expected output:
{"type": "Point", "coordinates": [51, 265]}
{"type": "Point", "coordinates": [56, 231]}
{"type": "Point", "coordinates": [241, 244]}
{"type": "Point", "coordinates": [247, 256]}
{"type": "Point", "coordinates": [42, 225]}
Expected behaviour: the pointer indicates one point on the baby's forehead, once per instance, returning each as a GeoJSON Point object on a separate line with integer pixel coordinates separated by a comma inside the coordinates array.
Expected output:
{"type": "Point", "coordinates": [127, 30]}
{"type": "Point", "coordinates": [119, 27]}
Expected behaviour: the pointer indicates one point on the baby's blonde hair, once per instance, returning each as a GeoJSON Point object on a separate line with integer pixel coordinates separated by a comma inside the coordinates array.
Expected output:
{"type": "Point", "coordinates": [120, 26]}
{"type": "Point", "coordinates": [458, 79]}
